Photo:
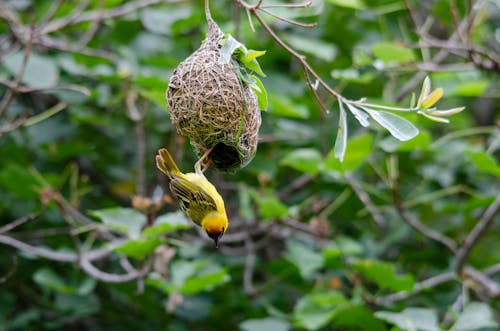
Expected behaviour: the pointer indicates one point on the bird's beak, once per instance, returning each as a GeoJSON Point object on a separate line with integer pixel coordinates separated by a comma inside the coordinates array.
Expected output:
{"type": "Point", "coordinates": [216, 237]}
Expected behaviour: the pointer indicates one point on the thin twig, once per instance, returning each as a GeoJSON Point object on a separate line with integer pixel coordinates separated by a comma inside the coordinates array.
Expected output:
{"type": "Point", "coordinates": [18, 222]}
{"type": "Point", "coordinates": [91, 16]}
{"type": "Point", "coordinates": [12, 270]}
{"type": "Point", "coordinates": [415, 223]}
{"type": "Point", "coordinates": [367, 201]}
{"type": "Point", "coordinates": [418, 288]}
{"type": "Point", "coordinates": [442, 54]}
{"type": "Point", "coordinates": [250, 259]}
{"type": "Point", "coordinates": [289, 21]}
{"type": "Point", "coordinates": [49, 254]}
{"type": "Point", "coordinates": [477, 232]}
{"type": "Point", "coordinates": [9, 96]}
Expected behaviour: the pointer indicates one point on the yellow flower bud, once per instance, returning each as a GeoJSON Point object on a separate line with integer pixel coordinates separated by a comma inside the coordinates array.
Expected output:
{"type": "Point", "coordinates": [432, 98]}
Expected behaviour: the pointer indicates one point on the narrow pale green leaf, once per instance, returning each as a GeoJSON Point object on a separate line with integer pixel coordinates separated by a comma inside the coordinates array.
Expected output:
{"type": "Point", "coordinates": [398, 126]}
{"type": "Point", "coordinates": [360, 115]}
{"type": "Point", "coordinates": [341, 141]}
{"type": "Point", "coordinates": [359, 148]}
{"type": "Point", "coordinates": [435, 118]}
{"type": "Point", "coordinates": [229, 46]}
{"type": "Point", "coordinates": [426, 89]}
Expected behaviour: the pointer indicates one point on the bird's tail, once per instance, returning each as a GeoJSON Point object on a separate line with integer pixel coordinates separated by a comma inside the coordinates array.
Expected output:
{"type": "Point", "coordinates": [166, 163]}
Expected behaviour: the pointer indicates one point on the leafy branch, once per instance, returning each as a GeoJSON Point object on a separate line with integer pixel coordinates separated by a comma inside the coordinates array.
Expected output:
{"type": "Point", "coordinates": [397, 126]}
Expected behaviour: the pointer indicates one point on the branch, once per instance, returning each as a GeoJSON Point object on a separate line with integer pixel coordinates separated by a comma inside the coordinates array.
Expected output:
{"type": "Point", "coordinates": [50, 254]}
{"type": "Point", "coordinates": [464, 25]}
{"type": "Point", "coordinates": [93, 15]}
{"type": "Point", "coordinates": [418, 226]}
{"type": "Point", "coordinates": [109, 277]}
{"type": "Point", "coordinates": [11, 271]}
{"type": "Point", "coordinates": [365, 199]}
{"type": "Point", "coordinates": [14, 224]}
{"type": "Point", "coordinates": [477, 232]}
{"type": "Point", "coordinates": [418, 288]}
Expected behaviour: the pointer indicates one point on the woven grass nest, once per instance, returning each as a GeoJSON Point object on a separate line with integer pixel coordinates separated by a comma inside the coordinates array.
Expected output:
{"type": "Point", "coordinates": [210, 104]}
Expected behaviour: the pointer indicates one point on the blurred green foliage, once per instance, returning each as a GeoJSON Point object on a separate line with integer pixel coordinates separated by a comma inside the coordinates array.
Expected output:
{"type": "Point", "coordinates": [303, 251]}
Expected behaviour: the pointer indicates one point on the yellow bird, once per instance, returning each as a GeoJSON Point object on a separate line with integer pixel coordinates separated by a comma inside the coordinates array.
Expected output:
{"type": "Point", "coordinates": [197, 197]}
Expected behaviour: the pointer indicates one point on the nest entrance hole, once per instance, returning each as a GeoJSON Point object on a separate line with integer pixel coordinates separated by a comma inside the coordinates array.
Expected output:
{"type": "Point", "coordinates": [225, 157]}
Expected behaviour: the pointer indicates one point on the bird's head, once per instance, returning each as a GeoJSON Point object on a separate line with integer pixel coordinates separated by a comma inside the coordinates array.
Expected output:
{"type": "Point", "coordinates": [215, 224]}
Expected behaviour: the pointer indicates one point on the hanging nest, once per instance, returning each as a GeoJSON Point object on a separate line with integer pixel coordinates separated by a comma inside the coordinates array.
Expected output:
{"type": "Point", "coordinates": [210, 104]}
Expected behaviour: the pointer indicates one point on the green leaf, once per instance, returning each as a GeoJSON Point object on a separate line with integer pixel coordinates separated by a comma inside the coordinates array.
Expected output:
{"type": "Point", "coordinates": [308, 160]}
{"type": "Point", "coordinates": [358, 149]}
{"type": "Point", "coordinates": [342, 246]}
{"type": "Point", "coordinates": [265, 324]}
{"type": "Point", "coordinates": [390, 52]}
{"type": "Point", "coordinates": [398, 126]}
{"type": "Point", "coordinates": [167, 223]}
{"type": "Point", "coordinates": [475, 316]}
{"type": "Point", "coordinates": [160, 20]}
{"type": "Point", "coordinates": [355, 4]}
{"type": "Point", "coordinates": [47, 278]}
{"type": "Point", "coordinates": [251, 55]}
{"type": "Point", "coordinates": [326, 51]}
{"type": "Point", "coordinates": [127, 220]}
{"type": "Point", "coordinates": [341, 141]}
{"type": "Point", "coordinates": [419, 143]}
{"type": "Point", "coordinates": [16, 179]}
{"type": "Point", "coordinates": [260, 92]}
{"type": "Point", "coordinates": [307, 260]}
{"type": "Point", "coordinates": [357, 318]}
{"type": "Point", "coordinates": [270, 207]}
{"type": "Point", "coordinates": [412, 319]}
{"type": "Point", "coordinates": [204, 282]}
{"type": "Point", "coordinates": [229, 46]}
{"type": "Point", "coordinates": [352, 75]}
{"type": "Point", "coordinates": [139, 248]}
{"type": "Point", "coordinates": [360, 115]}
{"type": "Point", "coordinates": [40, 71]}
{"type": "Point", "coordinates": [484, 162]}
{"type": "Point", "coordinates": [316, 309]}
{"type": "Point", "coordinates": [282, 106]}
{"type": "Point", "coordinates": [384, 275]}
{"type": "Point", "coordinates": [255, 67]}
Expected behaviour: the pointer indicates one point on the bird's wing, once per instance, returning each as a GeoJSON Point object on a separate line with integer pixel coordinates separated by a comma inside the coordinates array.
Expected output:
{"type": "Point", "coordinates": [193, 199]}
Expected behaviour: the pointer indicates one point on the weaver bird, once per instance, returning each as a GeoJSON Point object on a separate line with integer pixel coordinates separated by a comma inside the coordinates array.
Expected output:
{"type": "Point", "coordinates": [197, 197]}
